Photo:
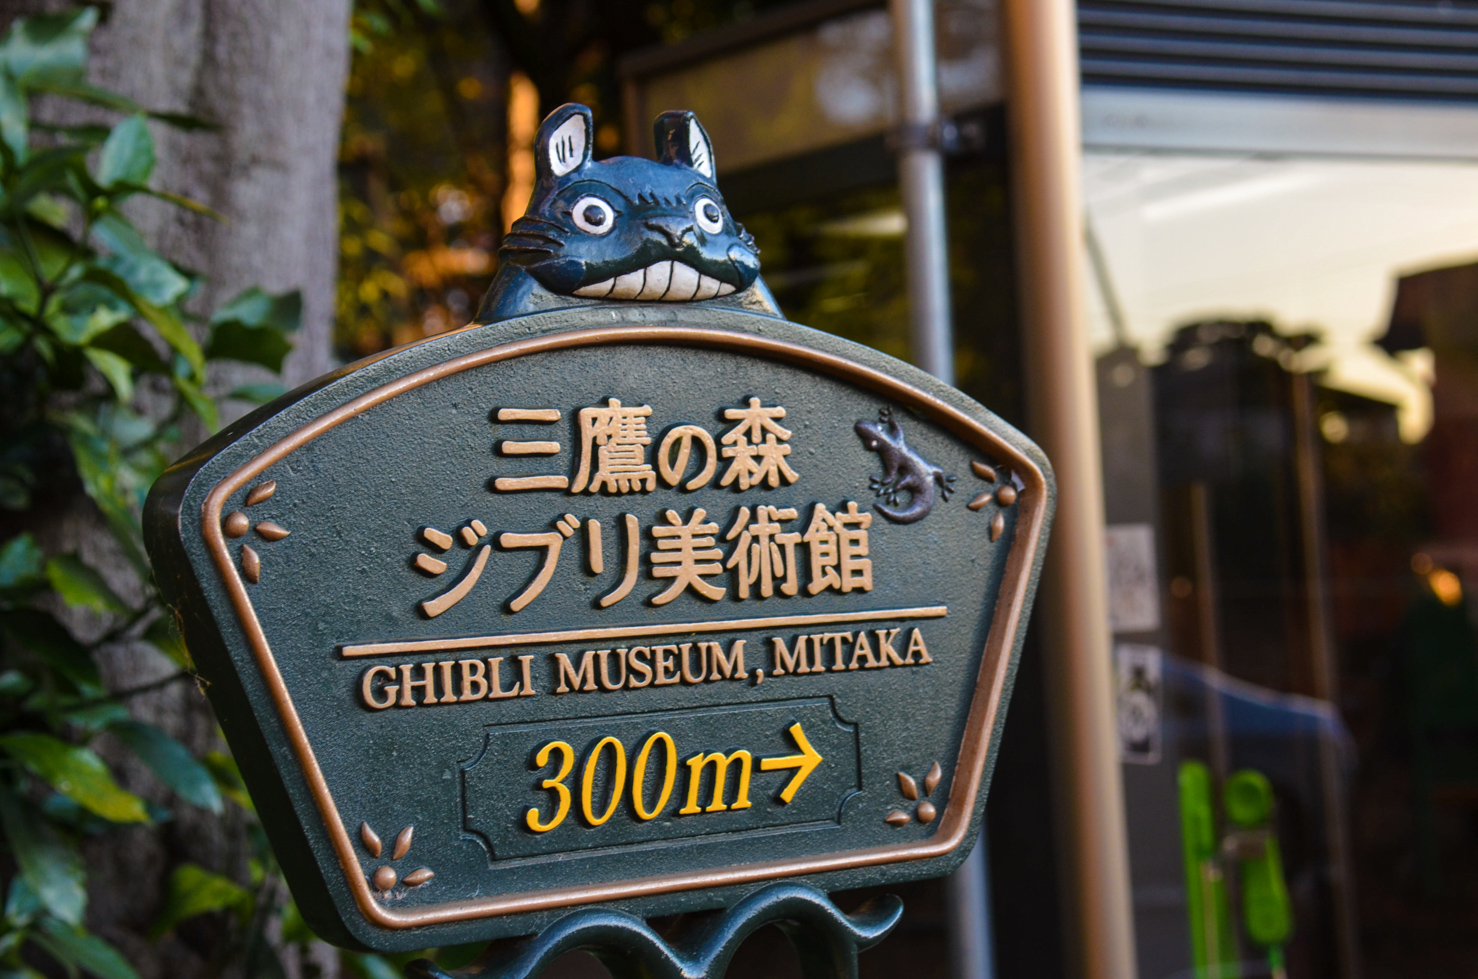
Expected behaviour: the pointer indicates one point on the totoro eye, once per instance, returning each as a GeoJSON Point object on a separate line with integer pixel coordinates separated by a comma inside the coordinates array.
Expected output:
{"type": "Point", "coordinates": [710, 216]}
{"type": "Point", "coordinates": [593, 215]}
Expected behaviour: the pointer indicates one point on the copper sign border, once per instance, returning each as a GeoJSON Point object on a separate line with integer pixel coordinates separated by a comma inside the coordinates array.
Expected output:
{"type": "Point", "coordinates": [983, 704]}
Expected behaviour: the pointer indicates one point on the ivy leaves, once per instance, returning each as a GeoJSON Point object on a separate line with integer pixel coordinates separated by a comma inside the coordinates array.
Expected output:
{"type": "Point", "coordinates": [127, 157]}
{"type": "Point", "coordinates": [91, 318]}
{"type": "Point", "coordinates": [77, 773]}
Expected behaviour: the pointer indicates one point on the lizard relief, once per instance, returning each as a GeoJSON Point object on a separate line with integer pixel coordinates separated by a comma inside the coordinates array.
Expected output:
{"type": "Point", "coordinates": [904, 471]}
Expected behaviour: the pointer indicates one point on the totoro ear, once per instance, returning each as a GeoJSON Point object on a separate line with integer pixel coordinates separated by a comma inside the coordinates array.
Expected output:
{"type": "Point", "coordinates": [563, 142]}
{"type": "Point", "coordinates": [681, 139]}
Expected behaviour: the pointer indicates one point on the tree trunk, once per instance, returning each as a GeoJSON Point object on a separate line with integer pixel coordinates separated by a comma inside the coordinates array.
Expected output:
{"type": "Point", "coordinates": [271, 76]}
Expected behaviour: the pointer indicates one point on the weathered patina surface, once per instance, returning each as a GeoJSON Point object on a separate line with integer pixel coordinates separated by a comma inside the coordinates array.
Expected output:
{"type": "Point", "coordinates": [634, 603]}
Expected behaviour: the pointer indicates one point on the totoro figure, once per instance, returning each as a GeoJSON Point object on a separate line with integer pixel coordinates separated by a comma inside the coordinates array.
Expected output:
{"type": "Point", "coordinates": [625, 228]}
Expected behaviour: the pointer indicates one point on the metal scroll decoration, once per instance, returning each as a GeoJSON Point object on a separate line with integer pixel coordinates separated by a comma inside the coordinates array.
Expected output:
{"type": "Point", "coordinates": [618, 595]}
{"type": "Point", "coordinates": [826, 940]}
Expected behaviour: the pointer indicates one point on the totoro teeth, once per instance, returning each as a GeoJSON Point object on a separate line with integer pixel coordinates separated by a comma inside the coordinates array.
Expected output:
{"type": "Point", "coordinates": [684, 283]}
{"type": "Point", "coordinates": [659, 275]}
{"type": "Point", "coordinates": [666, 281]}
{"type": "Point", "coordinates": [596, 290]}
{"type": "Point", "coordinates": [629, 286]}
{"type": "Point", "coordinates": [707, 287]}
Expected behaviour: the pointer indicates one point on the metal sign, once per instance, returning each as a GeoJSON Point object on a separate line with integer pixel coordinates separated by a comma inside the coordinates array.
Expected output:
{"type": "Point", "coordinates": [642, 604]}
{"type": "Point", "coordinates": [640, 608]}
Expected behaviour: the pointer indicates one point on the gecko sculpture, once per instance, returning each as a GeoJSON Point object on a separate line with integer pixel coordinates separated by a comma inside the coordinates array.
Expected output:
{"type": "Point", "coordinates": [904, 470]}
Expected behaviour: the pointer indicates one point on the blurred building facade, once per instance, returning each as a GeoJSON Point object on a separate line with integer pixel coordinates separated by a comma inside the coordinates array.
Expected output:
{"type": "Point", "coordinates": [1282, 206]}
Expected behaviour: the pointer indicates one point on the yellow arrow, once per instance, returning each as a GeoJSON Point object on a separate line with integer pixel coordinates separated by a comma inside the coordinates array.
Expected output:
{"type": "Point", "coordinates": [804, 763]}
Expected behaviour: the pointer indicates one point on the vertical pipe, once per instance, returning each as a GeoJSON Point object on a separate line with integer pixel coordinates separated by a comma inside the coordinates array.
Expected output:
{"type": "Point", "coordinates": [1040, 47]}
{"type": "Point", "coordinates": [967, 891]}
{"type": "Point", "coordinates": [1325, 671]}
{"type": "Point", "coordinates": [1208, 627]}
{"type": "Point", "coordinates": [921, 181]}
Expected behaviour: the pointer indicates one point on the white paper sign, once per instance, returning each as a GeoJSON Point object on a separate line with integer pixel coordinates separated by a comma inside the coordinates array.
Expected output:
{"type": "Point", "coordinates": [1140, 701]}
{"type": "Point", "coordinates": [1134, 584]}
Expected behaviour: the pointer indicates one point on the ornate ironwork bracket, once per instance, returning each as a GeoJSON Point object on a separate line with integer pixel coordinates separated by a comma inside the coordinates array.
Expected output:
{"type": "Point", "coordinates": [826, 939]}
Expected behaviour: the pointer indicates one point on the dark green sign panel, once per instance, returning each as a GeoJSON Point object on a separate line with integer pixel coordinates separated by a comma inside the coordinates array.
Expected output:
{"type": "Point", "coordinates": [645, 599]}
{"type": "Point", "coordinates": [641, 608]}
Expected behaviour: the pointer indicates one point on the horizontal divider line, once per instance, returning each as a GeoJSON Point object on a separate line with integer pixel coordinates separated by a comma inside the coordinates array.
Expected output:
{"type": "Point", "coordinates": [638, 631]}
{"type": "Point", "coordinates": [506, 484]}
{"type": "Point", "coordinates": [509, 447]}
{"type": "Point", "coordinates": [528, 414]}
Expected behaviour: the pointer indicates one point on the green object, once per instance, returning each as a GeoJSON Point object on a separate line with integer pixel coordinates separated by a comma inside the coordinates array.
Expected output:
{"type": "Point", "coordinates": [89, 317]}
{"type": "Point", "coordinates": [1267, 914]}
{"type": "Point", "coordinates": [465, 700]}
{"type": "Point", "coordinates": [1213, 943]}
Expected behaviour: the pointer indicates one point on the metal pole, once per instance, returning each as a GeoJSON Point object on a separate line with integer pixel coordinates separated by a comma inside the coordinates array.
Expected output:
{"type": "Point", "coordinates": [1326, 673]}
{"type": "Point", "coordinates": [1040, 47]}
{"type": "Point", "coordinates": [967, 893]}
{"type": "Point", "coordinates": [921, 180]}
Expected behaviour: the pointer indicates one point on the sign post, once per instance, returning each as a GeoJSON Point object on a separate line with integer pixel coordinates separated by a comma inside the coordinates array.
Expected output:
{"type": "Point", "coordinates": [625, 601]}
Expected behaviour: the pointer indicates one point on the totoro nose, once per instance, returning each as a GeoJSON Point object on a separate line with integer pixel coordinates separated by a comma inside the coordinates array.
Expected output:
{"type": "Point", "coordinates": [674, 228]}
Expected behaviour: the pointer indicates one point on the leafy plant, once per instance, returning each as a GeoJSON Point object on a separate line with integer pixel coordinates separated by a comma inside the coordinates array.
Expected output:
{"type": "Point", "coordinates": [94, 326]}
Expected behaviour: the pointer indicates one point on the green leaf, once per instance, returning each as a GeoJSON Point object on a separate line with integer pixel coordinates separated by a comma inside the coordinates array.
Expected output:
{"type": "Point", "coordinates": [165, 636]}
{"type": "Point", "coordinates": [295, 930]}
{"type": "Point", "coordinates": [188, 204]}
{"type": "Point", "coordinates": [228, 778]}
{"type": "Point", "coordinates": [128, 155]}
{"type": "Point", "coordinates": [48, 171]}
{"type": "Point", "coordinates": [128, 343]}
{"type": "Point", "coordinates": [193, 890]}
{"type": "Point", "coordinates": [201, 403]}
{"type": "Point", "coordinates": [110, 483]}
{"type": "Point", "coordinates": [53, 870]}
{"type": "Point", "coordinates": [185, 122]}
{"type": "Point", "coordinates": [14, 683]}
{"type": "Point", "coordinates": [125, 427]}
{"type": "Point", "coordinates": [166, 321]}
{"type": "Point", "coordinates": [85, 310]}
{"type": "Point", "coordinates": [250, 344]}
{"type": "Point", "coordinates": [148, 275]}
{"type": "Point", "coordinates": [44, 636]}
{"type": "Point", "coordinates": [48, 47]}
{"type": "Point", "coordinates": [86, 951]}
{"type": "Point", "coordinates": [258, 393]}
{"type": "Point", "coordinates": [118, 235]}
{"type": "Point", "coordinates": [17, 281]}
{"type": "Point", "coordinates": [85, 132]}
{"type": "Point", "coordinates": [255, 307]}
{"type": "Point", "coordinates": [77, 773]}
{"type": "Point", "coordinates": [49, 209]}
{"type": "Point", "coordinates": [81, 586]}
{"type": "Point", "coordinates": [12, 335]}
{"type": "Point", "coordinates": [16, 483]}
{"type": "Point", "coordinates": [172, 762]}
{"type": "Point", "coordinates": [118, 371]}
{"type": "Point", "coordinates": [83, 92]}
{"type": "Point", "coordinates": [14, 118]}
{"type": "Point", "coordinates": [21, 902]}
{"type": "Point", "coordinates": [93, 716]}
{"type": "Point", "coordinates": [21, 562]}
